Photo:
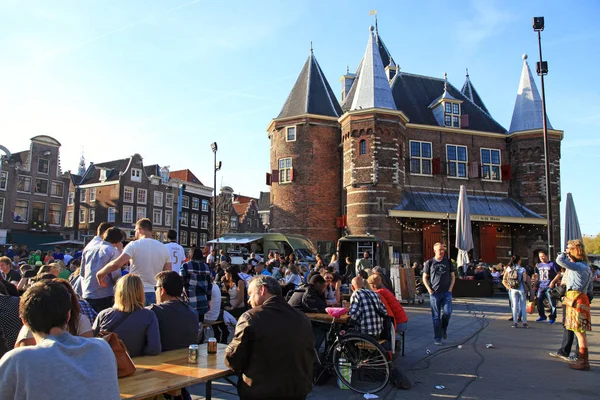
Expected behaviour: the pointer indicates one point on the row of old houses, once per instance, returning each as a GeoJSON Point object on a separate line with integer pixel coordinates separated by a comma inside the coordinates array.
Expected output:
{"type": "Point", "coordinates": [41, 204]}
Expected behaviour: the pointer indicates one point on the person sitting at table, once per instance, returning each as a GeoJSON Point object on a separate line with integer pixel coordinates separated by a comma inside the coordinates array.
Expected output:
{"type": "Point", "coordinates": [270, 367]}
{"type": "Point", "coordinates": [391, 303]}
{"type": "Point", "coordinates": [362, 308]}
{"type": "Point", "coordinates": [214, 314]}
{"type": "Point", "coordinates": [81, 368]}
{"type": "Point", "coordinates": [310, 297]}
{"type": "Point", "coordinates": [79, 324]}
{"type": "Point", "coordinates": [177, 321]}
{"type": "Point", "coordinates": [332, 290]}
{"type": "Point", "coordinates": [236, 288]}
{"type": "Point", "coordinates": [136, 326]}
{"type": "Point", "coordinates": [259, 269]}
{"type": "Point", "coordinates": [292, 279]}
{"type": "Point", "coordinates": [387, 282]}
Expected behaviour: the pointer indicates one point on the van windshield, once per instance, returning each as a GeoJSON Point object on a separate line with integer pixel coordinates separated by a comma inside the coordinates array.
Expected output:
{"type": "Point", "coordinates": [305, 255]}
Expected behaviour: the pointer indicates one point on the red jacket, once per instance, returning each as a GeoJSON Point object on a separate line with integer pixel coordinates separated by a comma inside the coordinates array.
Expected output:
{"type": "Point", "coordinates": [393, 306]}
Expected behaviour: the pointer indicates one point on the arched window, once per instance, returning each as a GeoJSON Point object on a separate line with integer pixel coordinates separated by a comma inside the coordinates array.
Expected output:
{"type": "Point", "coordinates": [362, 147]}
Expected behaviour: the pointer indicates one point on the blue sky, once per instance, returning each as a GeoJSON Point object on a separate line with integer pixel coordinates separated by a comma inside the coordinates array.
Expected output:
{"type": "Point", "coordinates": [167, 78]}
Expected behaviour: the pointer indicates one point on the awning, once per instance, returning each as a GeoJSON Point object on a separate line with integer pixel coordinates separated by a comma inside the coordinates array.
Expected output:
{"type": "Point", "coordinates": [73, 243]}
{"type": "Point", "coordinates": [32, 240]}
{"type": "Point", "coordinates": [483, 208]}
{"type": "Point", "coordinates": [235, 240]}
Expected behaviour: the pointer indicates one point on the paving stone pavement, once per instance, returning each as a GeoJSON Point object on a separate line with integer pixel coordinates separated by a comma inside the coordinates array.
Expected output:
{"type": "Point", "coordinates": [517, 367]}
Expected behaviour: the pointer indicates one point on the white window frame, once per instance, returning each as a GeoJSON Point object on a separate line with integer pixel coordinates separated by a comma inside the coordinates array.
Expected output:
{"type": "Point", "coordinates": [47, 187]}
{"type": "Point", "coordinates": [185, 201]}
{"type": "Point", "coordinates": [160, 196]}
{"type": "Point", "coordinates": [204, 222]}
{"type": "Point", "coordinates": [140, 212]}
{"type": "Point", "coordinates": [111, 214]}
{"type": "Point", "coordinates": [183, 238]}
{"type": "Point", "coordinates": [136, 175]}
{"type": "Point", "coordinates": [287, 133]}
{"type": "Point", "coordinates": [82, 196]}
{"type": "Point", "coordinates": [421, 158]}
{"type": "Point", "coordinates": [457, 162]}
{"type": "Point", "coordinates": [91, 215]}
{"type": "Point", "coordinates": [69, 221]}
{"type": "Point", "coordinates": [24, 177]}
{"type": "Point", "coordinates": [127, 214]}
{"type": "Point", "coordinates": [128, 194]}
{"type": "Point", "coordinates": [195, 203]}
{"type": "Point", "coordinates": [82, 215]}
{"type": "Point", "coordinates": [142, 196]}
{"type": "Point", "coordinates": [194, 221]}
{"type": "Point", "coordinates": [185, 218]}
{"type": "Point", "coordinates": [71, 198]}
{"type": "Point", "coordinates": [157, 212]}
{"type": "Point", "coordinates": [205, 205]}
{"type": "Point", "coordinates": [92, 195]}
{"type": "Point", "coordinates": [203, 238]}
{"type": "Point", "coordinates": [38, 167]}
{"type": "Point", "coordinates": [233, 222]}
{"type": "Point", "coordinates": [454, 116]}
{"type": "Point", "coordinates": [285, 171]}
{"type": "Point", "coordinates": [168, 219]}
{"type": "Point", "coordinates": [57, 184]}
{"type": "Point", "coordinates": [169, 200]}
{"type": "Point", "coordinates": [4, 179]}
{"type": "Point", "coordinates": [194, 238]}
{"type": "Point", "coordinates": [490, 165]}
{"type": "Point", "coordinates": [2, 205]}
{"type": "Point", "coordinates": [103, 175]}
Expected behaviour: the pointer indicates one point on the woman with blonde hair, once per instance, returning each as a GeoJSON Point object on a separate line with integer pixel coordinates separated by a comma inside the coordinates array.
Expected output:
{"type": "Point", "coordinates": [136, 326]}
{"type": "Point", "coordinates": [578, 318]}
{"type": "Point", "coordinates": [334, 263]}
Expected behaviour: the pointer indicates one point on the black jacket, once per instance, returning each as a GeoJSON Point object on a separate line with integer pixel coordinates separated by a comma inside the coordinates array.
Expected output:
{"type": "Point", "coordinates": [273, 348]}
{"type": "Point", "coordinates": [307, 299]}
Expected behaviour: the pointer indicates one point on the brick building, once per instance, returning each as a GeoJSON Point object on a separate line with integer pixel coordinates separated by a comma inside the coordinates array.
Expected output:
{"type": "Point", "coordinates": [195, 208]}
{"type": "Point", "coordinates": [121, 192]}
{"type": "Point", "coordinates": [249, 219]}
{"type": "Point", "coordinates": [33, 194]}
{"type": "Point", "coordinates": [388, 161]}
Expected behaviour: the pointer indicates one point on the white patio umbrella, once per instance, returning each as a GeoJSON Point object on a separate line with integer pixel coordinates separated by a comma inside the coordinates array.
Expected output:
{"type": "Point", "coordinates": [464, 234]}
{"type": "Point", "coordinates": [572, 229]}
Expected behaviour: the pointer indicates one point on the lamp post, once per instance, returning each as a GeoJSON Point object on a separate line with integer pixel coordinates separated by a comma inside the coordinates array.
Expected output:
{"type": "Point", "coordinates": [542, 69]}
{"type": "Point", "coordinates": [217, 167]}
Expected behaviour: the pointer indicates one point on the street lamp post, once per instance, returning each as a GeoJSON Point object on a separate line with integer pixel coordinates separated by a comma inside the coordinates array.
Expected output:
{"type": "Point", "coordinates": [542, 69]}
{"type": "Point", "coordinates": [216, 167]}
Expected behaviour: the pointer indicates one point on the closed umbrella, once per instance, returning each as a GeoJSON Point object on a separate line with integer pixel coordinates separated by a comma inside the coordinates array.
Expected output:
{"type": "Point", "coordinates": [464, 235]}
{"type": "Point", "coordinates": [572, 229]}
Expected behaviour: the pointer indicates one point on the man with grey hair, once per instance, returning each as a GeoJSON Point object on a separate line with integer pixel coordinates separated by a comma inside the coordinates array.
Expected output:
{"type": "Point", "coordinates": [270, 368]}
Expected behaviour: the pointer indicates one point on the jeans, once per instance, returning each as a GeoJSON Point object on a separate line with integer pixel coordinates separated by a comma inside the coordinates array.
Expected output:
{"type": "Point", "coordinates": [101, 304]}
{"type": "Point", "coordinates": [541, 294]}
{"type": "Point", "coordinates": [567, 340]}
{"type": "Point", "coordinates": [519, 305]}
{"type": "Point", "coordinates": [150, 298]}
{"type": "Point", "coordinates": [441, 311]}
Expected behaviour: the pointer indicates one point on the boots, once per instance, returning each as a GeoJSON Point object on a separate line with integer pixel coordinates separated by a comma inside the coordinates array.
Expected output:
{"type": "Point", "coordinates": [583, 362]}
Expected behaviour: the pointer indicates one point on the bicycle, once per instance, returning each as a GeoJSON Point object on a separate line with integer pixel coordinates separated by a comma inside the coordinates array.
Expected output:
{"type": "Point", "coordinates": [358, 360]}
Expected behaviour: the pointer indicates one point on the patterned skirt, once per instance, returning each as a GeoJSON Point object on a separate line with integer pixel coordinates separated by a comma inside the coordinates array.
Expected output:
{"type": "Point", "coordinates": [578, 317]}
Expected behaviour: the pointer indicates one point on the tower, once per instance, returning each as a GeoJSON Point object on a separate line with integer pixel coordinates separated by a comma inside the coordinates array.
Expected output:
{"type": "Point", "coordinates": [526, 149]}
{"type": "Point", "coordinates": [372, 131]}
{"type": "Point", "coordinates": [81, 168]}
{"type": "Point", "coordinates": [305, 159]}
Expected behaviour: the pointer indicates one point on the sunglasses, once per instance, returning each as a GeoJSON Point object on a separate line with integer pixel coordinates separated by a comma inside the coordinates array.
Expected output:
{"type": "Point", "coordinates": [156, 287]}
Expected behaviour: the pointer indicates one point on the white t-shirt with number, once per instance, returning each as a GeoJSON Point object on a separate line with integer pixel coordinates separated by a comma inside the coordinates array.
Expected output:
{"type": "Point", "coordinates": [177, 255]}
{"type": "Point", "coordinates": [148, 258]}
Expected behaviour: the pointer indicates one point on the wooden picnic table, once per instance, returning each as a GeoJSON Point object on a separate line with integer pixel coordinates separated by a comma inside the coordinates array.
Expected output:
{"type": "Point", "coordinates": [344, 319]}
{"type": "Point", "coordinates": [170, 371]}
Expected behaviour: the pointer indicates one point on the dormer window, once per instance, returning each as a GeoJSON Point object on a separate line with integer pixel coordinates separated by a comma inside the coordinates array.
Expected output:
{"type": "Point", "coordinates": [452, 115]}
{"type": "Point", "coordinates": [136, 175]}
{"type": "Point", "coordinates": [103, 174]}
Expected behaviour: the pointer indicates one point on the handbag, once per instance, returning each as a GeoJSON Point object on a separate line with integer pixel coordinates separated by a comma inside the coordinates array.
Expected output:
{"type": "Point", "coordinates": [558, 292]}
{"type": "Point", "coordinates": [388, 322]}
{"type": "Point", "coordinates": [530, 307]}
{"type": "Point", "coordinates": [125, 365]}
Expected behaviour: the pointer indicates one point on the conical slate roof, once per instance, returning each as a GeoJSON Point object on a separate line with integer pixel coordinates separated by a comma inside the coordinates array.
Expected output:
{"type": "Point", "coordinates": [470, 93]}
{"type": "Point", "coordinates": [527, 114]}
{"type": "Point", "coordinates": [311, 93]}
{"type": "Point", "coordinates": [372, 86]}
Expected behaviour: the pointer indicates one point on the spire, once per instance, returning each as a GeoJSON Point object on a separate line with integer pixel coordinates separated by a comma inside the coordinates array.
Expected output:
{"type": "Point", "coordinates": [81, 168]}
{"type": "Point", "coordinates": [372, 88]}
{"type": "Point", "coordinates": [468, 90]}
{"type": "Point", "coordinates": [527, 114]}
{"type": "Point", "coordinates": [311, 93]}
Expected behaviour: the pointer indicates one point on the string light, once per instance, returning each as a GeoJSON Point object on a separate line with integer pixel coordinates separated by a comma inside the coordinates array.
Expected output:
{"type": "Point", "coordinates": [414, 229]}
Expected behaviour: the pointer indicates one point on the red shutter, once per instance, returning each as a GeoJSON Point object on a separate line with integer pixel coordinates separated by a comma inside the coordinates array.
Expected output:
{"type": "Point", "coordinates": [292, 174]}
{"type": "Point", "coordinates": [268, 179]}
{"type": "Point", "coordinates": [464, 121]}
{"type": "Point", "coordinates": [474, 170]}
{"type": "Point", "coordinates": [275, 176]}
{"type": "Point", "coordinates": [506, 172]}
{"type": "Point", "coordinates": [436, 166]}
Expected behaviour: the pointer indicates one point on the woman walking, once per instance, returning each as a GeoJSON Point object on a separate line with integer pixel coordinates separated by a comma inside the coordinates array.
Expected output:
{"type": "Point", "coordinates": [578, 318]}
{"type": "Point", "coordinates": [516, 281]}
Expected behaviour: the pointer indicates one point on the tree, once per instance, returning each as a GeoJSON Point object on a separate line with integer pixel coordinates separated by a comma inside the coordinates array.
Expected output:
{"type": "Point", "coordinates": [224, 207]}
{"type": "Point", "coordinates": [592, 244]}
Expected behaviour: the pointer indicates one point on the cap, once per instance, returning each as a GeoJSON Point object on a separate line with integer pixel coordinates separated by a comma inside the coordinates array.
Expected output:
{"type": "Point", "coordinates": [39, 263]}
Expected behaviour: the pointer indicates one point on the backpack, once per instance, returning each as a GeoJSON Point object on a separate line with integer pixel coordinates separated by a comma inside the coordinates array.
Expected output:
{"type": "Point", "coordinates": [512, 279]}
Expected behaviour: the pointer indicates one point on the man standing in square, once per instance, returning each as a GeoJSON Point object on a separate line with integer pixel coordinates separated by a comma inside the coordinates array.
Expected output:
{"type": "Point", "coordinates": [438, 278]}
{"type": "Point", "coordinates": [546, 271]}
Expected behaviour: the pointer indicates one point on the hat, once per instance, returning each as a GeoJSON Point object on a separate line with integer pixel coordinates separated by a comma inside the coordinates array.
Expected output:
{"type": "Point", "coordinates": [39, 263]}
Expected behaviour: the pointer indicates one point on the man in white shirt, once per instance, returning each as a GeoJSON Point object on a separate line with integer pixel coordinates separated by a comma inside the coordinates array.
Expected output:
{"type": "Point", "coordinates": [148, 257]}
{"type": "Point", "coordinates": [175, 251]}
